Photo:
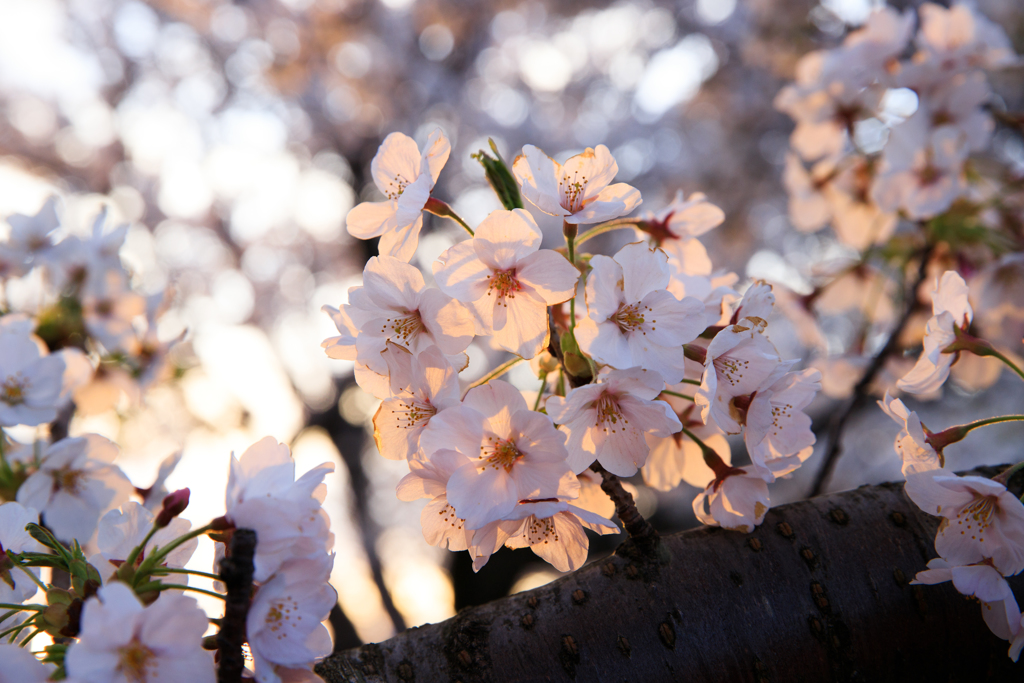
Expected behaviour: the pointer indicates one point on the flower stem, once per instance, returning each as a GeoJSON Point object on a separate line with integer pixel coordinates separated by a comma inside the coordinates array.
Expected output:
{"type": "Point", "coordinates": [676, 394]}
{"type": "Point", "coordinates": [540, 392]}
{"type": "Point", "coordinates": [444, 210]}
{"type": "Point", "coordinates": [1005, 475]}
{"type": "Point", "coordinates": [570, 230]}
{"type": "Point", "coordinates": [607, 227]}
{"type": "Point", "coordinates": [35, 579]}
{"type": "Point", "coordinates": [151, 562]}
{"type": "Point", "coordinates": [134, 555]}
{"type": "Point", "coordinates": [694, 382]}
{"type": "Point", "coordinates": [159, 586]}
{"type": "Point", "coordinates": [939, 440]}
{"type": "Point", "coordinates": [191, 572]}
{"type": "Point", "coordinates": [20, 608]}
{"type": "Point", "coordinates": [495, 373]}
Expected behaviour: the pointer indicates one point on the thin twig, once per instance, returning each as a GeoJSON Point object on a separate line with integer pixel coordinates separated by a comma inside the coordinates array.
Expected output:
{"type": "Point", "coordinates": [639, 529]}
{"type": "Point", "coordinates": [860, 391]}
{"type": "Point", "coordinates": [236, 572]}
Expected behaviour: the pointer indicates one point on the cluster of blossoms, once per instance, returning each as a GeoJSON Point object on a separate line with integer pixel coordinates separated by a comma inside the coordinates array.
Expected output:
{"type": "Point", "coordinates": [646, 358]}
{"type": "Point", "coordinates": [74, 336]}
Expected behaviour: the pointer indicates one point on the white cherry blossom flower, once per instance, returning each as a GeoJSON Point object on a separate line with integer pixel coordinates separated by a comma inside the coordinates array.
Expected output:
{"type": "Point", "coordinates": [739, 359]}
{"type": "Point", "coordinates": [76, 482]}
{"type": "Point", "coordinates": [284, 625]}
{"type": "Point", "coordinates": [677, 458]}
{"type": "Point", "coordinates": [421, 386]}
{"type": "Point", "coordinates": [577, 192]}
{"type": "Point", "coordinates": [554, 531]}
{"type": "Point", "coordinates": [778, 433]}
{"type": "Point", "coordinates": [950, 306]}
{"type": "Point", "coordinates": [676, 228]}
{"type": "Point", "coordinates": [121, 531]}
{"type": "Point", "coordinates": [633, 320]}
{"type": "Point", "coordinates": [981, 519]}
{"type": "Point", "coordinates": [442, 527]}
{"type": "Point", "coordinates": [514, 454]}
{"type": "Point", "coordinates": [394, 304]}
{"type": "Point", "coordinates": [608, 421]}
{"type": "Point", "coordinates": [286, 514]}
{"type": "Point", "coordinates": [509, 279]}
{"type": "Point", "coordinates": [980, 580]}
{"type": "Point", "coordinates": [30, 383]}
{"type": "Point", "coordinates": [406, 177]}
{"type": "Point", "coordinates": [738, 501]}
{"type": "Point", "coordinates": [717, 292]}
{"type": "Point", "coordinates": [80, 261]}
{"type": "Point", "coordinates": [30, 242]}
{"type": "Point", "coordinates": [16, 586]}
{"type": "Point", "coordinates": [922, 169]}
{"type": "Point", "coordinates": [109, 310]}
{"type": "Point", "coordinates": [123, 642]}
{"type": "Point", "coordinates": [912, 444]}
{"type": "Point", "coordinates": [961, 38]}
{"type": "Point", "coordinates": [19, 665]}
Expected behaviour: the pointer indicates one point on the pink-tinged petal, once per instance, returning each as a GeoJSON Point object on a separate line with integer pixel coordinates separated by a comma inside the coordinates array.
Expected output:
{"type": "Point", "coordinates": [698, 217]}
{"type": "Point", "coordinates": [562, 410]}
{"type": "Point", "coordinates": [506, 237]}
{"type": "Point", "coordinates": [435, 154]}
{"type": "Point", "coordinates": [1003, 619]}
{"type": "Point", "coordinates": [400, 367]}
{"type": "Point", "coordinates": [981, 581]}
{"type": "Point", "coordinates": [396, 164]}
{"type": "Point", "coordinates": [437, 378]}
{"type": "Point", "coordinates": [951, 297]}
{"type": "Point", "coordinates": [397, 426]}
{"type": "Point", "coordinates": [593, 167]}
{"type": "Point", "coordinates": [563, 544]}
{"type": "Point", "coordinates": [459, 429]}
{"type": "Point", "coordinates": [525, 331]}
{"type": "Point", "coordinates": [442, 527]}
{"type": "Point", "coordinates": [613, 201]}
{"type": "Point", "coordinates": [931, 496]}
{"type": "Point", "coordinates": [757, 302]}
{"type": "Point", "coordinates": [482, 494]}
{"type": "Point", "coordinates": [623, 450]}
{"type": "Point", "coordinates": [497, 401]}
{"type": "Point", "coordinates": [668, 361]}
{"type": "Point", "coordinates": [536, 437]}
{"type": "Point", "coordinates": [643, 270]}
{"type": "Point", "coordinates": [450, 324]}
{"type": "Point", "coordinates": [605, 343]}
{"type": "Point", "coordinates": [461, 274]}
{"type": "Point", "coordinates": [550, 276]}
{"type": "Point", "coordinates": [539, 176]}
{"type": "Point", "coordinates": [418, 484]}
{"type": "Point", "coordinates": [700, 508]}
{"type": "Point", "coordinates": [594, 521]}
{"type": "Point", "coordinates": [547, 479]}
{"type": "Point", "coordinates": [372, 382]}
{"type": "Point", "coordinates": [402, 242]}
{"type": "Point", "coordinates": [370, 219]}
{"type": "Point", "coordinates": [391, 283]}
{"type": "Point", "coordinates": [688, 256]}
{"type": "Point", "coordinates": [604, 288]}
{"type": "Point", "coordinates": [669, 321]}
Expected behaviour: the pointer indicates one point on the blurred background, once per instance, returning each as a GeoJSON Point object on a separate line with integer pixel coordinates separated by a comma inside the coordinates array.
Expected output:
{"type": "Point", "coordinates": [234, 137]}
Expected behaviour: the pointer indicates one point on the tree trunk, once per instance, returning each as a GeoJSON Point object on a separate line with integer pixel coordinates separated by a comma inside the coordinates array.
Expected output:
{"type": "Point", "coordinates": [819, 592]}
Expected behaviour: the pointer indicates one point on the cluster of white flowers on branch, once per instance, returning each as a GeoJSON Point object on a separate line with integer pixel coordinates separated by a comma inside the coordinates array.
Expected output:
{"type": "Point", "coordinates": [79, 339]}
{"type": "Point", "coordinates": [646, 358]}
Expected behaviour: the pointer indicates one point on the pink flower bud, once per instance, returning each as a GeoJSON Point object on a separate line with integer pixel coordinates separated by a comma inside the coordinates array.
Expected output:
{"type": "Point", "coordinates": [174, 504]}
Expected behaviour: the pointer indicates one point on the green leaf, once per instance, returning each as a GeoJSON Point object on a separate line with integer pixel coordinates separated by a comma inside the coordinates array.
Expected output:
{"type": "Point", "coordinates": [500, 177]}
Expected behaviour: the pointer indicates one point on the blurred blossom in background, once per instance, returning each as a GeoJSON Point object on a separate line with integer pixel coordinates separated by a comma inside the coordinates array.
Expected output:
{"type": "Point", "coordinates": [234, 139]}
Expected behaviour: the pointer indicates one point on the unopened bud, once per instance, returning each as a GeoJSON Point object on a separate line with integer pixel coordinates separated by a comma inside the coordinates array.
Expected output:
{"type": "Point", "coordinates": [174, 504]}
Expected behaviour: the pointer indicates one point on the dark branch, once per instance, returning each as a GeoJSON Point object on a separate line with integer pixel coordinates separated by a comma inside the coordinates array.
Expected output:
{"type": "Point", "coordinates": [236, 573]}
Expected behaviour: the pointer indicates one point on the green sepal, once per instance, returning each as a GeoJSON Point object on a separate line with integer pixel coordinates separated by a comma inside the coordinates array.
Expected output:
{"type": "Point", "coordinates": [500, 177]}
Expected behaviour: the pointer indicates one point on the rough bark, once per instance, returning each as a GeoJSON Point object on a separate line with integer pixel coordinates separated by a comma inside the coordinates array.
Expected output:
{"type": "Point", "coordinates": [819, 592]}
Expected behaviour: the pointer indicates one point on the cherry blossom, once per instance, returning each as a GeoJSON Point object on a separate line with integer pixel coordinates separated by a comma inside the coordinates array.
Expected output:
{"type": "Point", "coordinates": [514, 454]}
{"type": "Point", "coordinates": [16, 586]}
{"type": "Point", "coordinates": [912, 443]}
{"type": "Point", "coordinates": [950, 307]}
{"type": "Point", "coordinates": [633, 320]}
{"type": "Point", "coordinates": [421, 385]}
{"type": "Point", "coordinates": [109, 310]}
{"type": "Point", "coordinates": [554, 531]}
{"type": "Point", "coordinates": [30, 383]}
{"type": "Point", "coordinates": [510, 281]}
{"type": "Point", "coordinates": [577, 192]}
{"type": "Point", "coordinates": [442, 527]}
{"type": "Point", "coordinates": [608, 421]}
{"type": "Point", "coordinates": [982, 520]}
{"type": "Point", "coordinates": [30, 242]}
{"type": "Point", "coordinates": [76, 482]}
{"type": "Point", "coordinates": [739, 359]}
{"type": "Point", "coordinates": [19, 665]}
{"type": "Point", "coordinates": [677, 458]}
{"type": "Point", "coordinates": [394, 304]}
{"type": "Point", "coordinates": [121, 531]}
{"type": "Point", "coordinates": [284, 625]}
{"type": "Point", "coordinates": [738, 501]}
{"type": "Point", "coordinates": [406, 177]}
{"type": "Point", "coordinates": [961, 38]}
{"type": "Point", "coordinates": [676, 227]}
{"type": "Point", "coordinates": [980, 580]}
{"type": "Point", "coordinates": [286, 514]}
{"type": "Point", "coordinates": [122, 641]}
{"type": "Point", "coordinates": [778, 433]}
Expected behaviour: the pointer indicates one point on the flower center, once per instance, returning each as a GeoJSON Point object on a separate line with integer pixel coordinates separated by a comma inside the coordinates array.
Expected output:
{"type": "Point", "coordinates": [976, 517]}
{"type": "Point", "coordinates": [283, 613]}
{"type": "Point", "coordinates": [414, 413]}
{"type": "Point", "coordinates": [631, 317]}
{"type": "Point", "coordinates": [12, 392]}
{"type": "Point", "coordinates": [609, 415]}
{"type": "Point", "coordinates": [396, 186]}
{"type": "Point", "coordinates": [731, 369]}
{"type": "Point", "coordinates": [403, 327]}
{"type": "Point", "coordinates": [136, 662]}
{"type": "Point", "coordinates": [67, 479]}
{"type": "Point", "coordinates": [573, 192]}
{"type": "Point", "coordinates": [541, 531]}
{"type": "Point", "coordinates": [504, 284]}
{"type": "Point", "coordinates": [500, 453]}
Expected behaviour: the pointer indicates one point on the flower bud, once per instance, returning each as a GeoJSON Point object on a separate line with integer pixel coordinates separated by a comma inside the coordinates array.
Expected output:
{"type": "Point", "coordinates": [174, 504]}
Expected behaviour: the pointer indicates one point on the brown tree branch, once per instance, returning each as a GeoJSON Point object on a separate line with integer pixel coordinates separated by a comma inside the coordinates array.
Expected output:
{"type": "Point", "coordinates": [236, 572]}
{"type": "Point", "coordinates": [819, 592]}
